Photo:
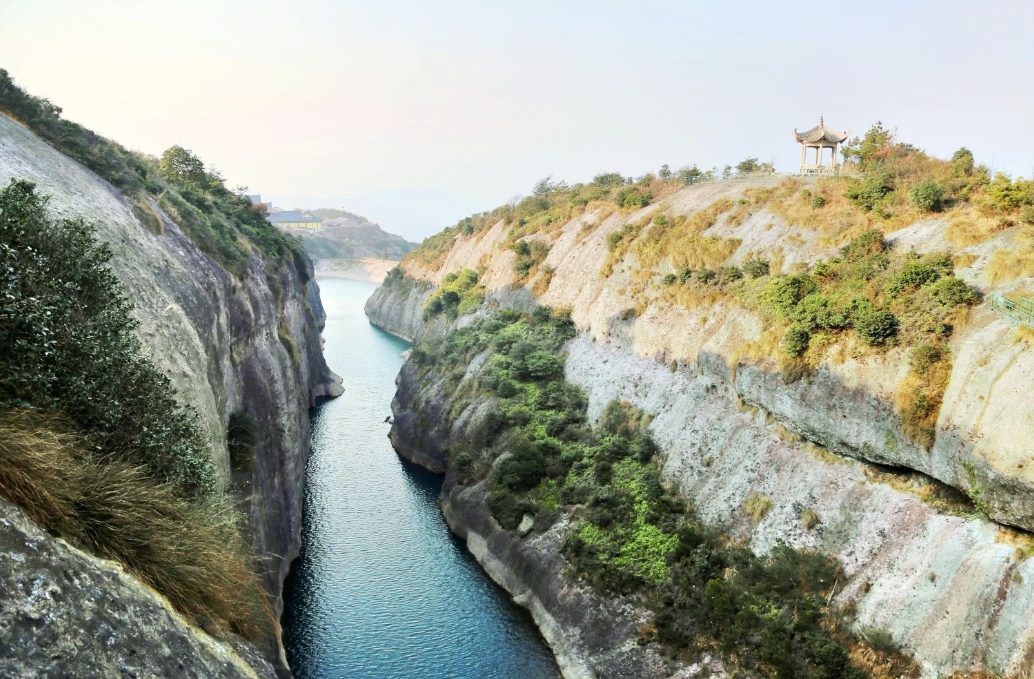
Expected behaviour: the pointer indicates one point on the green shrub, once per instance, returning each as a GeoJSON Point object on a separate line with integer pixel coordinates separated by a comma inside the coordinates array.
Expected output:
{"type": "Point", "coordinates": [684, 274]}
{"type": "Point", "coordinates": [242, 440]}
{"type": "Point", "coordinates": [868, 195]}
{"type": "Point", "coordinates": [953, 292]}
{"type": "Point", "coordinates": [669, 279]}
{"type": "Point", "coordinates": [705, 275]}
{"type": "Point", "coordinates": [927, 195]}
{"type": "Point", "coordinates": [796, 341]}
{"type": "Point", "coordinates": [782, 294]}
{"type": "Point", "coordinates": [69, 346]}
{"type": "Point", "coordinates": [919, 272]}
{"type": "Point", "coordinates": [817, 202]}
{"type": "Point", "coordinates": [728, 274]}
{"type": "Point", "coordinates": [755, 268]}
{"type": "Point", "coordinates": [819, 311]}
{"type": "Point", "coordinates": [459, 294]}
{"type": "Point", "coordinates": [876, 326]}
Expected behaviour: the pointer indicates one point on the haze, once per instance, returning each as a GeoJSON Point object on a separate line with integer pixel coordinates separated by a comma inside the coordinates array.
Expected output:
{"type": "Point", "coordinates": [416, 114]}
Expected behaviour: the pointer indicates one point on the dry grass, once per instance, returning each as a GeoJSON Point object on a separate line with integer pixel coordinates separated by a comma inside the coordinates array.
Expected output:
{"type": "Point", "coordinates": [883, 664]}
{"type": "Point", "coordinates": [756, 506]}
{"type": "Point", "coordinates": [191, 552]}
{"type": "Point", "coordinates": [1011, 263]}
{"type": "Point", "coordinates": [917, 400]}
{"type": "Point", "coordinates": [144, 212]}
{"type": "Point", "coordinates": [966, 227]}
{"type": "Point", "coordinates": [542, 280]}
{"type": "Point", "coordinates": [963, 260]}
{"type": "Point", "coordinates": [681, 244]}
{"type": "Point", "coordinates": [810, 519]}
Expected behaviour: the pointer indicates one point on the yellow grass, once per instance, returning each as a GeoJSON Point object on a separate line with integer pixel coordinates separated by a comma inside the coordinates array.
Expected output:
{"type": "Point", "coordinates": [191, 552]}
{"type": "Point", "coordinates": [1014, 261]}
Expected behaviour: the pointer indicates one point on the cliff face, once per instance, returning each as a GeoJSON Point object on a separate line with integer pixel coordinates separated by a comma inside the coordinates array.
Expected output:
{"type": "Point", "coordinates": [949, 585]}
{"type": "Point", "coordinates": [227, 344]}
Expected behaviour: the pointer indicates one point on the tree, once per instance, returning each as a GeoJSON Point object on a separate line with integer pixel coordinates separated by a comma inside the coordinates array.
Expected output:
{"type": "Point", "coordinates": [183, 167]}
{"type": "Point", "coordinates": [665, 172]}
{"type": "Point", "coordinates": [748, 166]}
{"type": "Point", "coordinates": [868, 151]}
{"type": "Point", "coordinates": [962, 162]}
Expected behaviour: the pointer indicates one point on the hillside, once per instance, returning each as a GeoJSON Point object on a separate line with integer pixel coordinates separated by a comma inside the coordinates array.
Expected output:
{"type": "Point", "coordinates": [818, 363]}
{"type": "Point", "coordinates": [163, 351]}
{"type": "Point", "coordinates": [353, 238]}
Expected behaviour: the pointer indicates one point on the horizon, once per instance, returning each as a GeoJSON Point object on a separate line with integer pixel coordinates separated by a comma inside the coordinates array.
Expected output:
{"type": "Point", "coordinates": [415, 117]}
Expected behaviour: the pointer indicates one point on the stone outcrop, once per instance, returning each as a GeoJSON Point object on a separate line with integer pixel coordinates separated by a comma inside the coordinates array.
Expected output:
{"type": "Point", "coordinates": [953, 588]}
{"type": "Point", "coordinates": [227, 343]}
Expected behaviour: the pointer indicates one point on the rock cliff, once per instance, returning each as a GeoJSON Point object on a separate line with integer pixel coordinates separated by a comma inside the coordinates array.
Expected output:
{"type": "Point", "coordinates": [228, 343]}
{"type": "Point", "coordinates": [924, 562]}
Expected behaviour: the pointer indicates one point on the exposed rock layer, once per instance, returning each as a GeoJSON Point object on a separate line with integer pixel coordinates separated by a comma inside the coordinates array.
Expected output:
{"type": "Point", "coordinates": [954, 589]}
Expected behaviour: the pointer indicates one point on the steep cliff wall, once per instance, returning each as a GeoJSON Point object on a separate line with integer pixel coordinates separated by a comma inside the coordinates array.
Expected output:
{"type": "Point", "coordinates": [228, 344]}
{"type": "Point", "coordinates": [949, 585]}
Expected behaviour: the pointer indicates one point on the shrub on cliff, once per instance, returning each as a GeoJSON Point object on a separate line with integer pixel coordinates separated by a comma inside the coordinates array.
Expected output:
{"type": "Point", "coordinates": [69, 346]}
{"type": "Point", "coordinates": [93, 443]}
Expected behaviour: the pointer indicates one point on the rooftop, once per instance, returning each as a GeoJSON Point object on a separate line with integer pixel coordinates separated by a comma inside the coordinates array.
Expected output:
{"type": "Point", "coordinates": [820, 134]}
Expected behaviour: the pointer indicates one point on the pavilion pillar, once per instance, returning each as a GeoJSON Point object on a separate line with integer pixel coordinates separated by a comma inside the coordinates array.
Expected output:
{"type": "Point", "coordinates": [804, 150]}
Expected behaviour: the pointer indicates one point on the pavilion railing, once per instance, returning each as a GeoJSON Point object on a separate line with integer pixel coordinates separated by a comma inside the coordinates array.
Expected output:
{"type": "Point", "coordinates": [1019, 311]}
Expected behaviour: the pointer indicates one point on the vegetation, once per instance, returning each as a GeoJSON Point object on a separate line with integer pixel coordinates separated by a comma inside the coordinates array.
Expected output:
{"type": "Point", "coordinates": [222, 223]}
{"type": "Point", "coordinates": [630, 535]}
{"type": "Point", "coordinates": [242, 440]}
{"type": "Point", "coordinates": [459, 294]}
{"type": "Point", "coordinates": [95, 446]}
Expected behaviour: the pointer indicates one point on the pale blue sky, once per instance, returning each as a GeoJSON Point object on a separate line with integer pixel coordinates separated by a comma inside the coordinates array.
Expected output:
{"type": "Point", "coordinates": [418, 113]}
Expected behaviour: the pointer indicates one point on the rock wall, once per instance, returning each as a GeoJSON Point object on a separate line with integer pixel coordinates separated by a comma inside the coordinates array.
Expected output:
{"type": "Point", "coordinates": [953, 588]}
{"type": "Point", "coordinates": [216, 336]}
{"type": "Point", "coordinates": [590, 635]}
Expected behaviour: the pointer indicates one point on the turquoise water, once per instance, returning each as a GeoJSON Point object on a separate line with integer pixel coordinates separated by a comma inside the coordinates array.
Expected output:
{"type": "Point", "coordinates": [382, 590]}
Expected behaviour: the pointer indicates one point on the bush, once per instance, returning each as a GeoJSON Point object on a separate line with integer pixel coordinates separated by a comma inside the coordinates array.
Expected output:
{"type": "Point", "coordinates": [868, 195]}
{"type": "Point", "coordinates": [727, 274]}
{"type": "Point", "coordinates": [755, 268]}
{"type": "Point", "coordinates": [927, 195]}
{"type": "Point", "coordinates": [876, 326]}
{"type": "Point", "coordinates": [69, 346]}
{"type": "Point", "coordinates": [796, 341]}
{"type": "Point", "coordinates": [918, 273]}
{"type": "Point", "coordinates": [783, 293]}
{"type": "Point", "coordinates": [705, 275]}
{"type": "Point", "coordinates": [684, 274]}
{"type": "Point", "coordinates": [669, 279]}
{"type": "Point", "coordinates": [817, 202]}
{"type": "Point", "coordinates": [953, 292]}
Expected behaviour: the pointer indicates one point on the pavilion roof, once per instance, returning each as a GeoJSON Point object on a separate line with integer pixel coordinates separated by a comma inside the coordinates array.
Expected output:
{"type": "Point", "coordinates": [821, 133]}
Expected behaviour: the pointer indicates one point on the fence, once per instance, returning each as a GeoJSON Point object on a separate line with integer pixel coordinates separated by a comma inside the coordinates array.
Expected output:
{"type": "Point", "coordinates": [1019, 311]}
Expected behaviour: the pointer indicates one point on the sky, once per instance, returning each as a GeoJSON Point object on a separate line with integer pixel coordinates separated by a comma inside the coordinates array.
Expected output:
{"type": "Point", "coordinates": [416, 114]}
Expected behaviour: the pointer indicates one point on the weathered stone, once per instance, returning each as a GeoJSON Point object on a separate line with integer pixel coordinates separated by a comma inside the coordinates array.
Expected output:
{"type": "Point", "coordinates": [64, 613]}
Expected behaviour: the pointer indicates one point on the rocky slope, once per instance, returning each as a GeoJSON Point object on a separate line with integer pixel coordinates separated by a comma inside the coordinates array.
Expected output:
{"type": "Point", "coordinates": [227, 345]}
{"type": "Point", "coordinates": [950, 586]}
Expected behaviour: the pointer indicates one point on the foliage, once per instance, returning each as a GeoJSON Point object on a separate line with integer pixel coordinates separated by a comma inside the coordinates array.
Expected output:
{"type": "Point", "coordinates": [927, 195]}
{"type": "Point", "coordinates": [67, 329]}
{"type": "Point", "coordinates": [629, 535]}
{"type": "Point", "coordinates": [458, 294]}
{"type": "Point", "coordinates": [796, 341]}
{"type": "Point", "coordinates": [242, 440]}
{"type": "Point", "coordinates": [755, 268]}
{"type": "Point", "coordinates": [95, 446]}
{"type": "Point", "coordinates": [869, 290]}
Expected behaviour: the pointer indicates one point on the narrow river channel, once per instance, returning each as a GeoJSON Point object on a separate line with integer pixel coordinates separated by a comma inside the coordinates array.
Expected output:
{"type": "Point", "coordinates": [382, 590]}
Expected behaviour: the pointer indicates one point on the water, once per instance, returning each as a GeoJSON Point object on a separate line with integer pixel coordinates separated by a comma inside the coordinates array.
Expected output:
{"type": "Point", "coordinates": [382, 590]}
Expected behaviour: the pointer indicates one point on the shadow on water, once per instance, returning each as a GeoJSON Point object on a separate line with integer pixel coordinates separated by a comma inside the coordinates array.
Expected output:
{"type": "Point", "coordinates": [381, 589]}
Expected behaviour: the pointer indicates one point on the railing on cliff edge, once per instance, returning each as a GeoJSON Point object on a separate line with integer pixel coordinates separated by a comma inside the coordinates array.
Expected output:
{"type": "Point", "coordinates": [1018, 311]}
{"type": "Point", "coordinates": [747, 176]}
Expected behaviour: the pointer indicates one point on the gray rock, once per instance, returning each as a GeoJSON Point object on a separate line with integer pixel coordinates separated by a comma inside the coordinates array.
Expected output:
{"type": "Point", "coordinates": [64, 613]}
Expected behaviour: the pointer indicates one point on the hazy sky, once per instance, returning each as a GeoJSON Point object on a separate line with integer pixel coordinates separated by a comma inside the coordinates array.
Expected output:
{"type": "Point", "coordinates": [417, 113]}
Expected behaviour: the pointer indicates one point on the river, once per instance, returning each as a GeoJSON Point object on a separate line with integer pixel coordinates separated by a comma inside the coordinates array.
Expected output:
{"type": "Point", "coordinates": [381, 589]}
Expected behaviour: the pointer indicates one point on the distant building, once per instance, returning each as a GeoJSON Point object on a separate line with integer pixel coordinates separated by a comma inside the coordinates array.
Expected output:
{"type": "Point", "coordinates": [256, 199]}
{"type": "Point", "coordinates": [819, 139]}
{"type": "Point", "coordinates": [295, 219]}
